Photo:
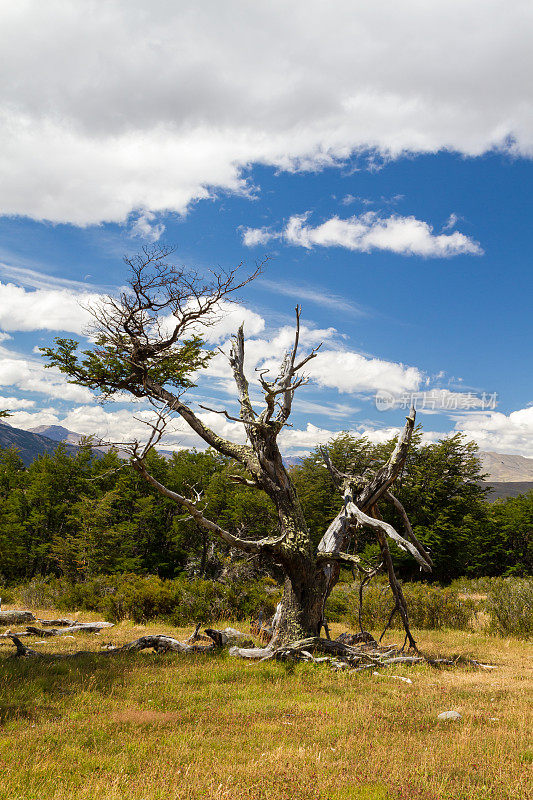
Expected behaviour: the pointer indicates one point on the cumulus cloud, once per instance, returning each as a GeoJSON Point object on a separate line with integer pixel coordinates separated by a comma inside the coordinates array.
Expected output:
{"type": "Point", "coordinates": [91, 130]}
{"type": "Point", "coordinates": [334, 367]}
{"type": "Point", "coordinates": [64, 309]}
{"type": "Point", "coordinates": [43, 309]}
{"type": "Point", "coordinates": [351, 372]}
{"type": "Point", "coordinates": [125, 425]}
{"type": "Point", "coordinates": [368, 232]}
{"type": "Point", "coordinates": [504, 433]}
{"type": "Point", "coordinates": [31, 376]}
{"type": "Point", "coordinates": [12, 403]}
{"type": "Point", "coordinates": [229, 316]}
{"type": "Point", "coordinates": [252, 237]}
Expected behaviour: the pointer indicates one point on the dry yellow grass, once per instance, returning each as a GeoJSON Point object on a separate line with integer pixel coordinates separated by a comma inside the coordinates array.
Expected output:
{"type": "Point", "coordinates": [145, 726]}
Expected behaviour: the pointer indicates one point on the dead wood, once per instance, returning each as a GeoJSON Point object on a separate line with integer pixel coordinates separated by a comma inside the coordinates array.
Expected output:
{"type": "Point", "coordinates": [16, 617]}
{"type": "Point", "coordinates": [87, 627]}
{"type": "Point", "coordinates": [364, 637]}
{"type": "Point", "coordinates": [350, 653]}
{"type": "Point", "coordinates": [158, 642]}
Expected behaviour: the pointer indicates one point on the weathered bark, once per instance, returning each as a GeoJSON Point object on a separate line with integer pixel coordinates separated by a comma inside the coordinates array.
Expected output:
{"type": "Point", "coordinates": [302, 607]}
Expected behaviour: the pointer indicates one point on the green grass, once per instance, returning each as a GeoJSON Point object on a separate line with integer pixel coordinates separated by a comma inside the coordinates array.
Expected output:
{"type": "Point", "coordinates": [145, 726]}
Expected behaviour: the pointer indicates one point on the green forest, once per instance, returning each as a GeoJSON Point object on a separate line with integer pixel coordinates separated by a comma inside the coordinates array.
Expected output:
{"type": "Point", "coordinates": [83, 516]}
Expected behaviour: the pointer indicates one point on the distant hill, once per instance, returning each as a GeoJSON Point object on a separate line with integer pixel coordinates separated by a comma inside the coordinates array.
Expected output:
{"type": "Point", "coordinates": [503, 468]}
{"type": "Point", "coordinates": [500, 490]}
{"type": "Point", "coordinates": [60, 434]}
{"type": "Point", "coordinates": [57, 433]}
{"type": "Point", "coordinates": [30, 445]}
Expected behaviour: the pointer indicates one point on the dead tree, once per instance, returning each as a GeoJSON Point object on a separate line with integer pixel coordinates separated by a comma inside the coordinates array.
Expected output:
{"type": "Point", "coordinates": [136, 353]}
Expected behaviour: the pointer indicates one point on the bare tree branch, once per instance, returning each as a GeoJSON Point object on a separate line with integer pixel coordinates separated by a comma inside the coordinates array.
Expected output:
{"type": "Point", "coordinates": [337, 556]}
{"type": "Point", "coordinates": [286, 383]}
{"type": "Point", "coordinates": [407, 525]}
{"type": "Point", "coordinates": [269, 544]}
{"type": "Point", "coordinates": [386, 476]}
{"type": "Point", "coordinates": [236, 360]}
{"type": "Point", "coordinates": [225, 414]}
{"type": "Point", "coordinates": [383, 527]}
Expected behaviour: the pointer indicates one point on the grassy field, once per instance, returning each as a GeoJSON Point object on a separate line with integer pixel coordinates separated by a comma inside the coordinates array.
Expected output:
{"type": "Point", "coordinates": [144, 726]}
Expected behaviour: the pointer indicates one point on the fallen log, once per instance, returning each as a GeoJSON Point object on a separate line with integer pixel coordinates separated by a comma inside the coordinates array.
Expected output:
{"type": "Point", "coordinates": [227, 637]}
{"type": "Point", "coordinates": [364, 637]}
{"type": "Point", "coordinates": [158, 642]}
{"type": "Point", "coordinates": [88, 627]}
{"type": "Point", "coordinates": [16, 617]}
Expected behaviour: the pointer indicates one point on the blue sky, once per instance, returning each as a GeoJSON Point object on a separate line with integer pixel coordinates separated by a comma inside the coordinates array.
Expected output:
{"type": "Point", "coordinates": [392, 196]}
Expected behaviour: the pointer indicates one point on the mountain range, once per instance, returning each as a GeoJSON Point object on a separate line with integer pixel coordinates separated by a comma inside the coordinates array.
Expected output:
{"type": "Point", "coordinates": [30, 445]}
{"type": "Point", "coordinates": [507, 475]}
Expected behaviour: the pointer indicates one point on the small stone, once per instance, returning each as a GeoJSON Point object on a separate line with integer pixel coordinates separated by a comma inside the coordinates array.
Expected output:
{"type": "Point", "coordinates": [449, 715]}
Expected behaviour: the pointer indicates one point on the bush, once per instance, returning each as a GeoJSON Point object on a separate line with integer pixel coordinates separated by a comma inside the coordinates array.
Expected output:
{"type": "Point", "coordinates": [142, 598]}
{"type": "Point", "coordinates": [510, 605]}
{"type": "Point", "coordinates": [429, 605]}
{"type": "Point", "coordinates": [7, 595]}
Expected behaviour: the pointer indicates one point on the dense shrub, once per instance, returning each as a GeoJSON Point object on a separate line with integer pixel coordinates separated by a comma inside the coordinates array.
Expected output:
{"type": "Point", "coordinates": [429, 605]}
{"type": "Point", "coordinates": [142, 598]}
{"type": "Point", "coordinates": [508, 602]}
{"type": "Point", "coordinates": [510, 605]}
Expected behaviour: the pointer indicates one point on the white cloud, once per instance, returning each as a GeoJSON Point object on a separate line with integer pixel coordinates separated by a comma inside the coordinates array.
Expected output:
{"type": "Point", "coordinates": [66, 310]}
{"type": "Point", "coordinates": [451, 222]}
{"type": "Point", "coordinates": [92, 128]}
{"type": "Point", "coordinates": [126, 425]}
{"type": "Point", "coordinates": [252, 237]}
{"type": "Point", "coordinates": [12, 403]}
{"type": "Point", "coordinates": [303, 440]}
{"type": "Point", "coordinates": [145, 227]}
{"type": "Point", "coordinates": [332, 368]}
{"type": "Point", "coordinates": [351, 372]}
{"type": "Point", "coordinates": [229, 317]}
{"type": "Point", "coordinates": [43, 309]}
{"type": "Point", "coordinates": [31, 376]}
{"type": "Point", "coordinates": [504, 433]}
{"type": "Point", "coordinates": [123, 426]}
{"type": "Point", "coordinates": [368, 232]}
{"type": "Point", "coordinates": [31, 419]}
